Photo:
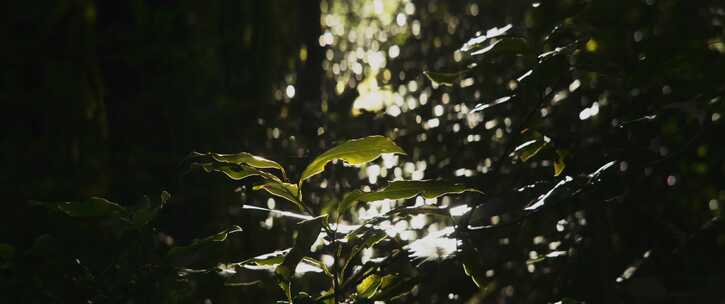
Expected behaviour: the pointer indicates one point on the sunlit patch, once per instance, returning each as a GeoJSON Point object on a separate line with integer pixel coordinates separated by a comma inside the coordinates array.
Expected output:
{"type": "Point", "coordinates": [592, 45]}
{"type": "Point", "coordinates": [434, 246]}
{"type": "Point", "coordinates": [459, 210]}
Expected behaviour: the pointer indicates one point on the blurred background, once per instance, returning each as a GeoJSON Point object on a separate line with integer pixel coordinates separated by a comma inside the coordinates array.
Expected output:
{"type": "Point", "coordinates": [108, 98]}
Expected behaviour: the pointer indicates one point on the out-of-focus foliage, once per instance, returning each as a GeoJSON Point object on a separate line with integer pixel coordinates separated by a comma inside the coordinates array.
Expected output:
{"type": "Point", "coordinates": [593, 126]}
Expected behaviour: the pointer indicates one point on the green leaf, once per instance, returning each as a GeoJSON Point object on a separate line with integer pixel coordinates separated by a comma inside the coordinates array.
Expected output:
{"type": "Point", "coordinates": [446, 79]}
{"type": "Point", "coordinates": [407, 189]}
{"type": "Point", "coordinates": [200, 243]}
{"type": "Point", "coordinates": [369, 286]}
{"type": "Point", "coordinates": [284, 190]}
{"type": "Point", "coordinates": [308, 232]}
{"type": "Point", "coordinates": [353, 152]}
{"type": "Point", "coordinates": [249, 160]}
{"type": "Point", "coordinates": [243, 158]}
{"type": "Point", "coordinates": [233, 171]}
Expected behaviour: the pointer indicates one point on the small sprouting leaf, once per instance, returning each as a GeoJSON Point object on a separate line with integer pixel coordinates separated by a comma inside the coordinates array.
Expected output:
{"type": "Point", "coordinates": [482, 106]}
{"type": "Point", "coordinates": [284, 190]}
{"type": "Point", "coordinates": [308, 232]}
{"type": "Point", "coordinates": [199, 243]}
{"type": "Point", "coordinates": [407, 189]}
{"type": "Point", "coordinates": [447, 79]}
{"type": "Point", "coordinates": [353, 152]}
{"type": "Point", "coordinates": [144, 215]}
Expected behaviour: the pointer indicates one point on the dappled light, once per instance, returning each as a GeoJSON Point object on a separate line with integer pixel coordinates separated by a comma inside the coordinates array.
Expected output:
{"type": "Point", "coordinates": [382, 151]}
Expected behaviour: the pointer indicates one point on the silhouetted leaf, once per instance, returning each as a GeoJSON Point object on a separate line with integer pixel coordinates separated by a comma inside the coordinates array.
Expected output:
{"type": "Point", "coordinates": [92, 207]}
{"type": "Point", "coordinates": [482, 106]}
{"type": "Point", "coordinates": [199, 243]}
{"type": "Point", "coordinates": [447, 79]}
{"type": "Point", "coordinates": [562, 190]}
{"type": "Point", "coordinates": [353, 152]}
{"type": "Point", "coordinates": [307, 234]}
{"type": "Point", "coordinates": [472, 267]}
{"type": "Point", "coordinates": [407, 189]}
{"type": "Point", "coordinates": [529, 149]}
{"type": "Point", "coordinates": [502, 46]}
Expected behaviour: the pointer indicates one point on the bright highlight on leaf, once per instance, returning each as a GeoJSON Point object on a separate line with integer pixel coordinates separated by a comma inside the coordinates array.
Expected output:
{"type": "Point", "coordinates": [353, 152]}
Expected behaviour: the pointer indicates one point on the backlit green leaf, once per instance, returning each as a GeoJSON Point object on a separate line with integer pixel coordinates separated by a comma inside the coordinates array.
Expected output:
{"type": "Point", "coordinates": [288, 191]}
{"type": "Point", "coordinates": [369, 285]}
{"type": "Point", "coordinates": [249, 160]}
{"type": "Point", "coordinates": [242, 158]}
{"type": "Point", "coordinates": [353, 152]}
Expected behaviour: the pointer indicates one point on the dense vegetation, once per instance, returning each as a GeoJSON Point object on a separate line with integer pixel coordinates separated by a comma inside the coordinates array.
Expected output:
{"type": "Point", "coordinates": [517, 152]}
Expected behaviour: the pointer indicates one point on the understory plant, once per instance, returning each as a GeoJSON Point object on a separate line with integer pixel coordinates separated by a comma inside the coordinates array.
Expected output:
{"type": "Point", "coordinates": [350, 279]}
